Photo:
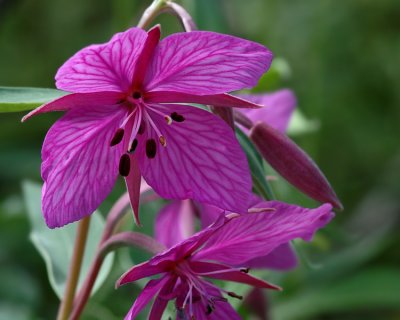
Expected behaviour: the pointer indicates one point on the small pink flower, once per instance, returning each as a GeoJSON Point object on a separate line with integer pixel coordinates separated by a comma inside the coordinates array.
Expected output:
{"type": "Point", "coordinates": [277, 111]}
{"type": "Point", "coordinates": [128, 114]}
{"type": "Point", "coordinates": [215, 253]}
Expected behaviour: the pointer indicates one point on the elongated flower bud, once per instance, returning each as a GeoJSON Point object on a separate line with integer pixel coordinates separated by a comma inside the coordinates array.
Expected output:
{"type": "Point", "coordinates": [293, 163]}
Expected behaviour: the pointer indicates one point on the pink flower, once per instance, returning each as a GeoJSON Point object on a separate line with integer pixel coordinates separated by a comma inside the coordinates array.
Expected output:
{"type": "Point", "coordinates": [277, 111]}
{"type": "Point", "coordinates": [216, 253]}
{"type": "Point", "coordinates": [128, 114]}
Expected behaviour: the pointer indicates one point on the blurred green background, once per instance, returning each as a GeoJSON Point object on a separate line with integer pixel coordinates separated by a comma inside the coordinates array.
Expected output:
{"type": "Point", "coordinates": [344, 59]}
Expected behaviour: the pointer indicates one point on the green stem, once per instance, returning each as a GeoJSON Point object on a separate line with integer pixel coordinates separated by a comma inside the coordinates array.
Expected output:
{"type": "Point", "coordinates": [74, 269]}
{"type": "Point", "coordinates": [151, 13]}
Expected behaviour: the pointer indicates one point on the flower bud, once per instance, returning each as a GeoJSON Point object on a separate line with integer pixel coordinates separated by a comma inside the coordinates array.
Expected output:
{"type": "Point", "coordinates": [293, 163]}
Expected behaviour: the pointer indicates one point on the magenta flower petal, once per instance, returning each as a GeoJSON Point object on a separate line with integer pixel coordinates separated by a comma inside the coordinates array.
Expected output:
{"type": "Point", "coordinates": [140, 271]}
{"type": "Point", "coordinates": [293, 163]}
{"type": "Point", "coordinates": [75, 101]}
{"type": "Point", "coordinates": [133, 183]}
{"type": "Point", "coordinates": [281, 258]}
{"type": "Point", "coordinates": [103, 67]}
{"type": "Point", "coordinates": [221, 100]}
{"type": "Point", "coordinates": [149, 291]}
{"type": "Point", "coordinates": [222, 272]}
{"type": "Point", "coordinates": [202, 159]}
{"type": "Point", "coordinates": [153, 37]}
{"type": "Point", "coordinates": [160, 303]}
{"type": "Point", "coordinates": [203, 62]}
{"type": "Point", "coordinates": [79, 167]}
{"type": "Point", "coordinates": [263, 232]}
{"type": "Point", "coordinates": [175, 223]}
{"type": "Point", "coordinates": [221, 311]}
{"type": "Point", "coordinates": [279, 107]}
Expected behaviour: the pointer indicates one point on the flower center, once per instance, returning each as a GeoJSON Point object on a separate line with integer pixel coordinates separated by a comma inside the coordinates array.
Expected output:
{"type": "Point", "coordinates": [138, 121]}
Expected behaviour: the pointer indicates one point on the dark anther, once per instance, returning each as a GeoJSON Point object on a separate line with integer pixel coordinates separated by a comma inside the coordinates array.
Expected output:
{"type": "Point", "coordinates": [136, 95]}
{"type": "Point", "coordinates": [133, 146]}
{"type": "Point", "coordinates": [177, 117]}
{"type": "Point", "coordinates": [210, 309]}
{"type": "Point", "coordinates": [245, 270]}
{"type": "Point", "coordinates": [142, 127]}
{"type": "Point", "coordinates": [234, 295]}
{"type": "Point", "coordinates": [124, 165]}
{"type": "Point", "coordinates": [117, 138]}
{"type": "Point", "coordinates": [151, 148]}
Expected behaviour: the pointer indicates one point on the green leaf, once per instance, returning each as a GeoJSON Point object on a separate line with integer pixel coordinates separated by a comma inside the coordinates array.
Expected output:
{"type": "Point", "coordinates": [260, 183]}
{"type": "Point", "coordinates": [13, 99]}
{"type": "Point", "coordinates": [56, 245]}
{"type": "Point", "coordinates": [368, 289]}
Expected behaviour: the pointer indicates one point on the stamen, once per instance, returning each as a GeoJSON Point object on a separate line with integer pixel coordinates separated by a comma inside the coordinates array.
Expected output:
{"type": "Point", "coordinates": [260, 210]}
{"type": "Point", "coordinates": [234, 295]}
{"type": "Point", "coordinates": [177, 117]}
{"type": "Point", "coordinates": [124, 165]}
{"type": "Point", "coordinates": [142, 127]}
{"type": "Point", "coordinates": [163, 141]}
{"type": "Point", "coordinates": [151, 148]}
{"type": "Point", "coordinates": [136, 95]}
{"type": "Point", "coordinates": [133, 146]}
{"type": "Point", "coordinates": [117, 138]}
{"type": "Point", "coordinates": [210, 309]}
{"type": "Point", "coordinates": [168, 119]}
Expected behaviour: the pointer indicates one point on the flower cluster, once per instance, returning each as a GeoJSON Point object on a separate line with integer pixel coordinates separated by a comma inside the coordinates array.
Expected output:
{"type": "Point", "coordinates": [133, 110]}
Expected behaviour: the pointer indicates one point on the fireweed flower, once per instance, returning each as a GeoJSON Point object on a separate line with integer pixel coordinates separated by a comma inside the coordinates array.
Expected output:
{"type": "Point", "coordinates": [277, 111]}
{"type": "Point", "coordinates": [127, 114]}
{"type": "Point", "coordinates": [215, 253]}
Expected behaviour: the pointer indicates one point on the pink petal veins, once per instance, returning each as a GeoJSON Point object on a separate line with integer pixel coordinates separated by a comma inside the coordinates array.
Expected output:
{"type": "Point", "coordinates": [202, 160]}
{"type": "Point", "coordinates": [277, 111]}
{"type": "Point", "coordinates": [76, 101]}
{"type": "Point", "coordinates": [221, 100]}
{"type": "Point", "coordinates": [175, 223]}
{"type": "Point", "coordinates": [202, 62]}
{"type": "Point", "coordinates": [149, 291]}
{"type": "Point", "coordinates": [79, 167]}
{"type": "Point", "coordinates": [103, 67]}
{"type": "Point", "coordinates": [263, 232]}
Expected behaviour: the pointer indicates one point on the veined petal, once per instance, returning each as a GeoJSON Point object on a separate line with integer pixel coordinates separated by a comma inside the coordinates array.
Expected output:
{"type": "Point", "coordinates": [133, 184]}
{"type": "Point", "coordinates": [79, 167]}
{"type": "Point", "coordinates": [139, 271]}
{"type": "Point", "coordinates": [222, 309]}
{"type": "Point", "coordinates": [220, 100]}
{"type": "Point", "coordinates": [281, 258]}
{"type": "Point", "coordinates": [202, 62]}
{"type": "Point", "coordinates": [222, 272]}
{"type": "Point", "coordinates": [188, 246]}
{"type": "Point", "coordinates": [277, 110]}
{"type": "Point", "coordinates": [103, 67]}
{"type": "Point", "coordinates": [175, 223]}
{"type": "Point", "coordinates": [160, 303]}
{"type": "Point", "coordinates": [149, 291]}
{"type": "Point", "coordinates": [208, 214]}
{"type": "Point", "coordinates": [263, 232]}
{"type": "Point", "coordinates": [202, 160]}
{"type": "Point", "coordinates": [77, 100]}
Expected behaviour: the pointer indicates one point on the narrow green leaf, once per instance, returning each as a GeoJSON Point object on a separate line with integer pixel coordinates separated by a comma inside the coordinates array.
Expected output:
{"type": "Point", "coordinates": [369, 289]}
{"type": "Point", "coordinates": [260, 182]}
{"type": "Point", "coordinates": [56, 245]}
{"type": "Point", "coordinates": [13, 99]}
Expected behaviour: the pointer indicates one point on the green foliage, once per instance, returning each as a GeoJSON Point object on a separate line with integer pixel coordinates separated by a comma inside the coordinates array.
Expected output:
{"type": "Point", "coordinates": [367, 290]}
{"type": "Point", "coordinates": [260, 182]}
{"type": "Point", "coordinates": [56, 246]}
{"type": "Point", "coordinates": [14, 99]}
